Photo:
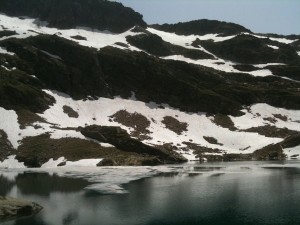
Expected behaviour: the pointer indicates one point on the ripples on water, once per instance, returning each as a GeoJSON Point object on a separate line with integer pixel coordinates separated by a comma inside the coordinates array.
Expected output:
{"type": "Point", "coordinates": [241, 193]}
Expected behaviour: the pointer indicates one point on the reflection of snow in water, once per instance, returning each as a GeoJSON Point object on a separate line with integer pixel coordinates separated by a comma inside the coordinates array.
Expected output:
{"type": "Point", "coordinates": [109, 180]}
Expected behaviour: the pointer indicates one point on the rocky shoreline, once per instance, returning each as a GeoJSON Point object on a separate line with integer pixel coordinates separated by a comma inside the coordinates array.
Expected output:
{"type": "Point", "coordinates": [11, 208]}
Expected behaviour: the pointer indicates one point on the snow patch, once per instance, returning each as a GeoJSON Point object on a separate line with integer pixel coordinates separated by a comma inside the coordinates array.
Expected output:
{"type": "Point", "coordinates": [219, 64]}
{"type": "Point", "coordinates": [280, 40]}
{"type": "Point", "coordinates": [27, 27]}
{"type": "Point", "coordinates": [273, 46]}
{"type": "Point", "coordinates": [258, 114]}
{"type": "Point", "coordinates": [11, 162]}
{"type": "Point", "coordinates": [268, 64]}
{"type": "Point", "coordinates": [186, 40]}
{"type": "Point", "coordinates": [9, 123]}
{"type": "Point", "coordinates": [80, 163]}
{"type": "Point", "coordinates": [292, 153]}
{"type": "Point", "coordinates": [4, 51]}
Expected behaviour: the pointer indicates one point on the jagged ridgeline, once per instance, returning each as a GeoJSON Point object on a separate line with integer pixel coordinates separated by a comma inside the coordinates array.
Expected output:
{"type": "Point", "coordinates": [89, 79]}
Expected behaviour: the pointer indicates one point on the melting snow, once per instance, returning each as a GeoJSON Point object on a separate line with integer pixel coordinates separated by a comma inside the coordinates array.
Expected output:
{"type": "Point", "coordinates": [80, 163]}
{"type": "Point", "coordinates": [4, 51]}
{"type": "Point", "coordinates": [9, 123]}
{"type": "Point", "coordinates": [257, 114]}
{"type": "Point", "coordinates": [183, 40]}
{"type": "Point", "coordinates": [11, 162]}
{"type": "Point", "coordinates": [221, 65]}
{"type": "Point", "coordinates": [292, 152]}
{"type": "Point", "coordinates": [280, 40]}
{"type": "Point", "coordinates": [272, 46]}
{"type": "Point", "coordinates": [110, 180]}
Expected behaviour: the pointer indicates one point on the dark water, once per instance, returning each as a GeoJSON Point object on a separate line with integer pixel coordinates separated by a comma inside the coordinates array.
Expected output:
{"type": "Point", "coordinates": [218, 194]}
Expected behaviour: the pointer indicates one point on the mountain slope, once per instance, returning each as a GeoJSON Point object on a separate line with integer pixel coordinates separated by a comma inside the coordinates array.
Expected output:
{"type": "Point", "coordinates": [202, 27]}
{"type": "Point", "coordinates": [144, 96]}
{"type": "Point", "coordinates": [66, 14]}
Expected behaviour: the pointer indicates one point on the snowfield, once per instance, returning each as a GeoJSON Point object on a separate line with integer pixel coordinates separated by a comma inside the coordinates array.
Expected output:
{"type": "Point", "coordinates": [199, 125]}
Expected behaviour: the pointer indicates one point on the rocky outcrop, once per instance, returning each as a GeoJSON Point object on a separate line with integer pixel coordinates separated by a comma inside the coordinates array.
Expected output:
{"type": "Point", "coordinates": [275, 151]}
{"type": "Point", "coordinates": [22, 92]}
{"type": "Point", "coordinates": [121, 140]}
{"type": "Point", "coordinates": [249, 49]}
{"type": "Point", "coordinates": [6, 147]}
{"type": "Point", "coordinates": [155, 45]}
{"type": "Point", "coordinates": [202, 27]}
{"type": "Point", "coordinates": [11, 208]}
{"type": "Point", "coordinates": [65, 14]}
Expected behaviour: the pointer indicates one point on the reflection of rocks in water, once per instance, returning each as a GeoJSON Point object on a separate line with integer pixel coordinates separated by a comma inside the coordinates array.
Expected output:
{"type": "Point", "coordinates": [287, 170]}
{"type": "Point", "coordinates": [44, 184]}
{"type": "Point", "coordinates": [70, 218]}
{"type": "Point", "coordinates": [31, 221]}
{"type": "Point", "coordinates": [5, 185]}
{"type": "Point", "coordinates": [207, 169]}
{"type": "Point", "coordinates": [217, 174]}
{"type": "Point", "coordinates": [194, 174]}
{"type": "Point", "coordinates": [169, 174]}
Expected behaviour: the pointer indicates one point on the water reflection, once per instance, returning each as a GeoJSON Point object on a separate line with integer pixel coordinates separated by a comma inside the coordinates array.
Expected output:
{"type": "Point", "coordinates": [216, 195]}
{"type": "Point", "coordinates": [44, 184]}
{"type": "Point", "coordinates": [5, 185]}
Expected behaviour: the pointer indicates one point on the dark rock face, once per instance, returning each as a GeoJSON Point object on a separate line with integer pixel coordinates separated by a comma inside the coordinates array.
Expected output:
{"type": "Point", "coordinates": [21, 91]}
{"type": "Point", "coordinates": [290, 71]}
{"type": "Point", "coordinates": [275, 151]}
{"type": "Point", "coordinates": [121, 139]}
{"type": "Point", "coordinates": [202, 27]}
{"type": "Point", "coordinates": [270, 152]}
{"type": "Point", "coordinates": [252, 50]}
{"type": "Point", "coordinates": [155, 45]}
{"type": "Point", "coordinates": [68, 75]}
{"type": "Point", "coordinates": [5, 33]}
{"type": "Point", "coordinates": [99, 14]}
{"type": "Point", "coordinates": [6, 147]}
{"type": "Point", "coordinates": [11, 208]}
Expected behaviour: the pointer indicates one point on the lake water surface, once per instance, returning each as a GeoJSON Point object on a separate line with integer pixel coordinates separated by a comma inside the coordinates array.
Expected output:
{"type": "Point", "coordinates": [240, 193]}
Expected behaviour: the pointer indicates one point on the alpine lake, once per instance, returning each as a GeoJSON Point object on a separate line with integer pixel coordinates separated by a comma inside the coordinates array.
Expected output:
{"type": "Point", "coordinates": [223, 193]}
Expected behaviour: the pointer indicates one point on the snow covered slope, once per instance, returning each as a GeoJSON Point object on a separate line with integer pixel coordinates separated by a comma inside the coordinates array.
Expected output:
{"type": "Point", "coordinates": [194, 135]}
